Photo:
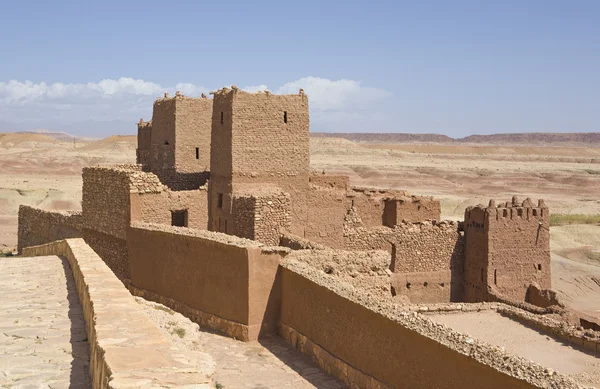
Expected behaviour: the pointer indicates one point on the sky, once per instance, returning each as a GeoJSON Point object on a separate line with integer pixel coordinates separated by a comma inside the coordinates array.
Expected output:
{"type": "Point", "coordinates": [456, 67]}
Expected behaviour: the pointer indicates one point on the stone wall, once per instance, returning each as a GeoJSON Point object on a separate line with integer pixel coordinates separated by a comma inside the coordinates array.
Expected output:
{"type": "Point", "coordinates": [368, 343]}
{"type": "Point", "coordinates": [105, 199]}
{"type": "Point", "coordinates": [37, 226]}
{"type": "Point", "coordinates": [225, 282]}
{"type": "Point", "coordinates": [367, 270]}
{"type": "Point", "coordinates": [127, 349]}
{"type": "Point", "coordinates": [260, 213]}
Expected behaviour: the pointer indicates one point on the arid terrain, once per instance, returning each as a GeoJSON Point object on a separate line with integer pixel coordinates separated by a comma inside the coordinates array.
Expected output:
{"type": "Point", "coordinates": [45, 171]}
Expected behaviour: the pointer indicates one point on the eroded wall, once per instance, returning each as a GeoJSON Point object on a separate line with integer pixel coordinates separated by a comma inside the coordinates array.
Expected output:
{"type": "Point", "coordinates": [37, 226]}
{"type": "Point", "coordinates": [359, 341]}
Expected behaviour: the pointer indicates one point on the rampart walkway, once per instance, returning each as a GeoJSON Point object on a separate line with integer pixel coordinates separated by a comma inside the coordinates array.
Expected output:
{"type": "Point", "coordinates": [43, 342]}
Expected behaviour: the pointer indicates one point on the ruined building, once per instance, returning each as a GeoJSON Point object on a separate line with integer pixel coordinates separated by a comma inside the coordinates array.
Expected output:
{"type": "Point", "coordinates": [223, 220]}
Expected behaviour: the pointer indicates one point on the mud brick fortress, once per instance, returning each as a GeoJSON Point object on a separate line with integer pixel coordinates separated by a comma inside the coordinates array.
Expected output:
{"type": "Point", "coordinates": [223, 220]}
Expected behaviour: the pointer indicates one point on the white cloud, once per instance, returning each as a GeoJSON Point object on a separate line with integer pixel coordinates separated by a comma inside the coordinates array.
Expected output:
{"type": "Point", "coordinates": [335, 104]}
{"type": "Point", "coordinates": [326, 95]}
{"type": "Point", "coordinates": [255, 88]}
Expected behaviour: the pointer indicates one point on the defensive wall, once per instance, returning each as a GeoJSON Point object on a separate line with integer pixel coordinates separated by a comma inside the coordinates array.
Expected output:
{"type": "Point", "coordinates": [126, 349]}
{"type": "Point", "coordinates": [113, 197]}
{"type": "Point", "coordinates": [37, 226]}
{"type": "Point", "coordinates": [317, 299]}
{"type": "Point", "coordinates": [221, 281]}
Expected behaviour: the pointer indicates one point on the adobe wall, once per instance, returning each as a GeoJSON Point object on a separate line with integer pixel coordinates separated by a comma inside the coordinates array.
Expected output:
{"type": "Point", "coordinates": [410, 209]}
{"type": "Point", "coordinates": [156, 207]}
{"type": "Point", "coordinates": [144, 142]}
{"type": "Point", "coordinates": [37, 226]}
{"type": "Point", "coordinates": [163, 134]}
{"type": "Point", "coordinates": [244, 125]}
{"type": "Point", "coordinates": [260, 213]}
{"type": "Point", "coordinates": [508, 249]}
{"type": "Point", "coordinates": [519, 249]}
{"type": "Point", "coordinates": [326, 212]}
{"type": "Point", "coordinates": [193, 130]}
{"type": "Point", "coordinates": [225, 282]}
{"type": "Point", "coordinates": [368, 343]}
{"type": "Point", "coordinates": [175, 144]}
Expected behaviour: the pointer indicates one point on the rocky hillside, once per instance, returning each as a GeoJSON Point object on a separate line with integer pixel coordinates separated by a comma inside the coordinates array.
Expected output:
{"type": "Point", "coordinates": [547, 138]}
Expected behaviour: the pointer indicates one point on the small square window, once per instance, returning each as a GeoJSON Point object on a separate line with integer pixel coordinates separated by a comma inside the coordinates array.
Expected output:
{"type": "Point", "coordinates": [179, 218]}
{"type": "Point", "coordinates": [197, 152]}
{"type": "Point", "coordinates": [220, 200]}
{"type": "Point", "coordinates": [285, 117]}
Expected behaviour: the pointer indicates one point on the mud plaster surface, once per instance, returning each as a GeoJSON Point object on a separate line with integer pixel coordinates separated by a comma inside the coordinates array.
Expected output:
{"type": "Point", "coordinates": [495, 329]}
{"type": "Point", "coordinates": [266, 364]}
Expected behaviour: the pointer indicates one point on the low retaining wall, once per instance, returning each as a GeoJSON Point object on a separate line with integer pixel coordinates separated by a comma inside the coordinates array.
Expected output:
{"type": "Point", "coordinates": [38, 226]}
{"type": "Point", "coordinates": [221, 281]}
{"type": "Point", "coordinates": [127, 350]}
{"type": "Point", "coordinates": [368, 343]}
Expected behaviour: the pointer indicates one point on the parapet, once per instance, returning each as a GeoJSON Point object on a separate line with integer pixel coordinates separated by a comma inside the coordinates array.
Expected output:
{"type": "Point", "coordinates": [144, 124]}
{"type": "Point", "coordinates": [234, 90]}
{"type": "Point", "coordinates": [480, 214]}
{"type": "Point", "coordinates": [139, 181]}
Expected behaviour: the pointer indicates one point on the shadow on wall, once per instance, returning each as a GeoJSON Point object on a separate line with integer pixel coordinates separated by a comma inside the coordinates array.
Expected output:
{"type": "Point", "coordinates": [181, 181]}
{"type": "Point", "coordinates": [457, 287]}
{"type": "Point", "coordinates": [80, 348]}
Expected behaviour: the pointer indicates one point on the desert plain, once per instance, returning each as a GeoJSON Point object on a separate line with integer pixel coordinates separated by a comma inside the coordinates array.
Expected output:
{"type": "Point", "coordinates": [43, 170]}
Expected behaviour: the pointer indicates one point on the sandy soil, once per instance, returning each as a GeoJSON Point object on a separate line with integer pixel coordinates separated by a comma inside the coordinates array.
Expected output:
{"type": "Point", "coordinates": [518, 339]}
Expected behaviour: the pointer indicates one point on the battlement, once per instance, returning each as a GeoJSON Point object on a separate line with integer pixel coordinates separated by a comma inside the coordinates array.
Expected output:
{"type": "Point", "coordinates": [479, 216]}
{"type": "Point", "coordinates": [178, 97]}
{"type": "Point", "coordinates": [234, 90]}
{"type": "Point", "coordinates": [142, 124]}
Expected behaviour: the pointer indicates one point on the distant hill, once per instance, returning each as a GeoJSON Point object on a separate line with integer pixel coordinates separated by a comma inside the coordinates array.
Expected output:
{"type": "Point", "coordinates": [384, 137]}
{"type": "Point", "coordinates": [548, 138]}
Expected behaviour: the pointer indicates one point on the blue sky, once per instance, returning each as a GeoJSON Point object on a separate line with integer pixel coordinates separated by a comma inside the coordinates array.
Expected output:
{"type": "Point", "coordinates": [454, 67]}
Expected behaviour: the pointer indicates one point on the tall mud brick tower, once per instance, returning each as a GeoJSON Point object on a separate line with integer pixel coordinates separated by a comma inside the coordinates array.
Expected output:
{"type": "Point", "coordinates": [175, 145]}
{"type": "Point", "coordinates": [507, 248]}
{"type": "Point", "coordinates": [259, 155]}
